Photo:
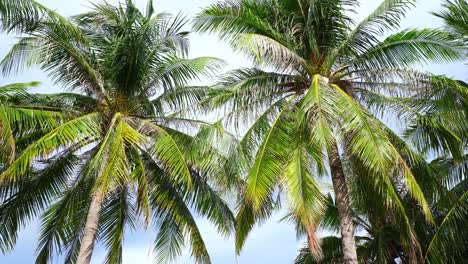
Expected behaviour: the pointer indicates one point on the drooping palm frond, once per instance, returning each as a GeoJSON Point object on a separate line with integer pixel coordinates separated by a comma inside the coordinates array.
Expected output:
{"type": "Point", "coordinates": [74, 131]}
{"type": "Point", "coordinates": [18, 117]}
{"type": "Point", "coordinates": [20, 16]}
{"type": "Point", "coordinates": [175, 221]}
{"type": "Point", "coordinates": [118, 212]}
{"type": "Point", "coordinates": [445, 244]}
{"type": "Point", "coordinates": [63, 223]}
{"type": "Point", "coordinates": [266, 170]}
{"type": "Point", "coordinates": [248, 216]}
{"type": "Point", "coordinates": [23, 203]}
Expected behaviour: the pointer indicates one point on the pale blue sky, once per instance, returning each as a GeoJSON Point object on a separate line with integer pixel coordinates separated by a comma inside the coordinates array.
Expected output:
{"type": "Point", "coordinates": [273, 242]}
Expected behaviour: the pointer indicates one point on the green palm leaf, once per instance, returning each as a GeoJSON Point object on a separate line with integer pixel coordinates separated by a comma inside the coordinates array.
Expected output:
{"type": "Point", "coordinates": [266, 171]}
{"type": "Point", "coordinates": [450, 232]}
{"type": "Point", "coordinates": [74, 131]}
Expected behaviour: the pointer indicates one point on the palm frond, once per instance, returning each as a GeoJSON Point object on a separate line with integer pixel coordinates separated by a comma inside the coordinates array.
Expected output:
{"type": "Point", "coordinates": [269, 161]}
{"type": "Point", "coordinates": [116, 214]}
{"type": "Point", "coordinates": [248, 216]}
{"type": "Point", "coordinates": [455, 17]}
{"type": "Point", "coordinates": [233, 17]}
{"type": "Point", "coordinates": [20, 16]}
{"type": "Point", "coordinates": [77, 130]}
{"type": "Point", "coordinates": [165, 150]}
{"type": "Point", "coordinates": [174, 221]}
{"type": "Point", "coordinates": [63, 222]}
{"type": "Point", "coordinates": [304, 195]}
{"type": "Point", "coordinates": [444, 244]}
{"type": "Point", "coordinates": [386, 16]}
{"type": "Point", "coordinates": [409, 47]}
{"type": "Point", "coordinates": [178, 72]}
{"type": "Point", "coordinates": [21, 204]}
{"type": "Point", "coordinates": [268, 52]}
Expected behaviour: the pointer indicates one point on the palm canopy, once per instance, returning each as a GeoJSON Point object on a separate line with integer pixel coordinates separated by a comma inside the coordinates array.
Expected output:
{"type": "Point", "coordinates": [320, 83]}
{"type": "Point", "coordinates": [115, 148]}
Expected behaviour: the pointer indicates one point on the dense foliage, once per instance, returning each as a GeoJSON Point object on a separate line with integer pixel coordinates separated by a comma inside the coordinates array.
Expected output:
{"type": "Point", "coordinates": [315, 104]}
{"type": "Point", "coordinates": [330, 101]}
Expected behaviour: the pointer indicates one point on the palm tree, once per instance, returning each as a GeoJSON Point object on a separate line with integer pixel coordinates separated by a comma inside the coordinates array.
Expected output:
{"type": "Point", "coordinates": [115, 156]}
{"type": "Point", "coordinates": [320, 81]}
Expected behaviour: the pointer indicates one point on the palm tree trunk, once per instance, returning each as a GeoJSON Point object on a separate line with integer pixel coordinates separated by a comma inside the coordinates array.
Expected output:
{"type": "Point", "coordinates": [92, 222]}
{"type": "Point", "coordinates": [343, 204]}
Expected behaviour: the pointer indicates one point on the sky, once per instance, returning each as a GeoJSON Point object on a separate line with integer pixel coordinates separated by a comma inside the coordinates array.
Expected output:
{"type": "Point", "coordinates": [274, 242]}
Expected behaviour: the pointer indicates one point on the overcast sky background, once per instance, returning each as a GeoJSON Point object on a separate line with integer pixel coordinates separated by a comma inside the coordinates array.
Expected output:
{"type": "Point", "coordinates": [273, 242]}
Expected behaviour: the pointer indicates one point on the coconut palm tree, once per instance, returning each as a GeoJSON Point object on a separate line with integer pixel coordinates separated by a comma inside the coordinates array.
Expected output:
{"type": "Point", "coordinates": [115, 157]}
{"type": "Point", "coordinates": [313, 98]}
